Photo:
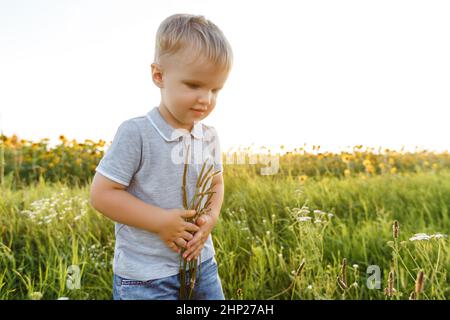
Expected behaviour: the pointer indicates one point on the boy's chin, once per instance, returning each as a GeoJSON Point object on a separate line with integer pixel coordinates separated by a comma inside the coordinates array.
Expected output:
{"type": "Point", "coordinates": [188, 122]}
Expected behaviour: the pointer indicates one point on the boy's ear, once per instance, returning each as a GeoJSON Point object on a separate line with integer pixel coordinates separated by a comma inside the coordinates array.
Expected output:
{"type": "Point", "coordinates": [157, 75]}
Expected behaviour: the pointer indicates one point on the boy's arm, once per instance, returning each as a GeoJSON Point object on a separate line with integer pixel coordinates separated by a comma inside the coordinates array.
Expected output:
{"type": "Point", "coordinates": [217, 198]}
{"type": "Point", "coordinates": [111, 199]}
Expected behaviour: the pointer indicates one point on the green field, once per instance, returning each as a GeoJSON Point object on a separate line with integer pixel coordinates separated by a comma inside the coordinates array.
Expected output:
{"type": "Point", "coordinates": [261, 239]}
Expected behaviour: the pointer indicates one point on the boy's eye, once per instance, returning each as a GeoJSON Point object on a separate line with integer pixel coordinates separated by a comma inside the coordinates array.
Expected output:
{"type": "Point", "coordinates": [196, 86]}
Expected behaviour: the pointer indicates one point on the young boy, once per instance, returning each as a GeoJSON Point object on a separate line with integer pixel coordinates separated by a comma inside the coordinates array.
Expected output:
{"type": "Point", "coordinates": [138, 182]}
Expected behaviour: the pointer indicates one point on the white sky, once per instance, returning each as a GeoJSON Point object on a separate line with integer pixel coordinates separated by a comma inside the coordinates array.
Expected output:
{"type": "Point", "coordinates": [334, 73]}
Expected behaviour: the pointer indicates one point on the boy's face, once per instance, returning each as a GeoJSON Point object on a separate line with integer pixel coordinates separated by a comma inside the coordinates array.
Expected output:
{"type": "Point", "coordinates": [189, 88]}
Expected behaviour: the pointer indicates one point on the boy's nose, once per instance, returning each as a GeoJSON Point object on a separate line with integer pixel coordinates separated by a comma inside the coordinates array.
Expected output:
{"type": "Point", "coordinates": [206, 98]}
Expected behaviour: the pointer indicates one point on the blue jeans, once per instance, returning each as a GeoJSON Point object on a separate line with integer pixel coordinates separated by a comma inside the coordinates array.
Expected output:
{"type": "Point", "coordinates": [208, 286]}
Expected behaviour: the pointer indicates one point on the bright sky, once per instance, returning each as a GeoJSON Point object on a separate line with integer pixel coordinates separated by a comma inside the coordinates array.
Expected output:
{"type": "Point", "coordinates": [330, 73]}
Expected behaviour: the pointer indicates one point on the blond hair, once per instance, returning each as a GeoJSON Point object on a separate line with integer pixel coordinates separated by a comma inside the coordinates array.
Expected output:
{"type": "Point", "coordinates": [193, 32]}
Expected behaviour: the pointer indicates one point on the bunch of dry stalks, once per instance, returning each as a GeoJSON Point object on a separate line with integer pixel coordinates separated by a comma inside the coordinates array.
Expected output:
{"type": "Point", "coordinates": [202, 189]}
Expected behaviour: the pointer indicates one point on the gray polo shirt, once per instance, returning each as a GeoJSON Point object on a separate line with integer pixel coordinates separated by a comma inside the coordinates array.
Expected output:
{"type": "Point", "coordinates": [147, 156]}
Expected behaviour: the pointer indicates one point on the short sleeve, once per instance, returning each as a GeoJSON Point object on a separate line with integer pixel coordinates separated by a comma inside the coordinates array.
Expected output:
{"type": "Point", "coordinates": [122, 159]}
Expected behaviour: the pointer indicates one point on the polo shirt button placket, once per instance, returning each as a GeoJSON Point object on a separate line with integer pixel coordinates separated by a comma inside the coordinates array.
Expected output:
{"type": "Point", "coordinates": [187, 148]}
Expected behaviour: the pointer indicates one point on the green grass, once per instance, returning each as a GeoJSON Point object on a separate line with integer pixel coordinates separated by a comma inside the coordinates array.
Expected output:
{"type": "Point", "coordinates": [259, 241]}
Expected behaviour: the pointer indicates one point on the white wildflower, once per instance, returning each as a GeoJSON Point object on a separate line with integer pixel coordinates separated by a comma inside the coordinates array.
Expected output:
{"type": "Point", "coordinates": [319, 212]}
{"type": "Point", "coordinates": [301, 219]}
{"type": "Point", "coordinates": [438, 236]}
{"type": "Point", "coordinates": [420, 237]}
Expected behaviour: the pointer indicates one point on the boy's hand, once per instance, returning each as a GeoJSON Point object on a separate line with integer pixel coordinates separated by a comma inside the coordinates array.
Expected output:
{"type": "Point", "coordinates": [174, 227]}
{"type": "Point", "coordinates": [195, 246]}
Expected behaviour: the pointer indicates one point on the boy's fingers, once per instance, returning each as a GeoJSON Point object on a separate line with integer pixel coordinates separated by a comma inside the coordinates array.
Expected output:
{"type": "Point", "coordinates": [187, 236]}
{"type": "Point", "coordinates": [174, 247]}
{"type": "Point", "coordinates": [190, 244]}
{"type": "Point", "coordinates": [195, 239]}
{"type": "Point", "coordinates": [180, 243]}
{"type": "Point", "coordinates": [187, 254]}
{"type": "Point", "coordinates": [190, 247]}
{"type": "Point", "coordinates": [194, 254]}
{"type": "Point", "coordinates": [201, 221]}
{"type": "Point", "coordinates": [190, 252]}
{"type": "Point", "coordinates": [191, 227]}
{"type": "Point", "coordinates": [188, 213]}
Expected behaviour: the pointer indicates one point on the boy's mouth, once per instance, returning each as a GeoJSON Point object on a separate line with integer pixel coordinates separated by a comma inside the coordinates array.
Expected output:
{"type": "Point", "coordinates": [198, 112]}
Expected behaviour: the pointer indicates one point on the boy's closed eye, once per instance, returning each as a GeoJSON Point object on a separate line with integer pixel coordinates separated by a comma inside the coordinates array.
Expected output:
{"type": "Point", "coordinates": [196, 86]}
{"type": "Point", "coordinates": [192, 86]}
